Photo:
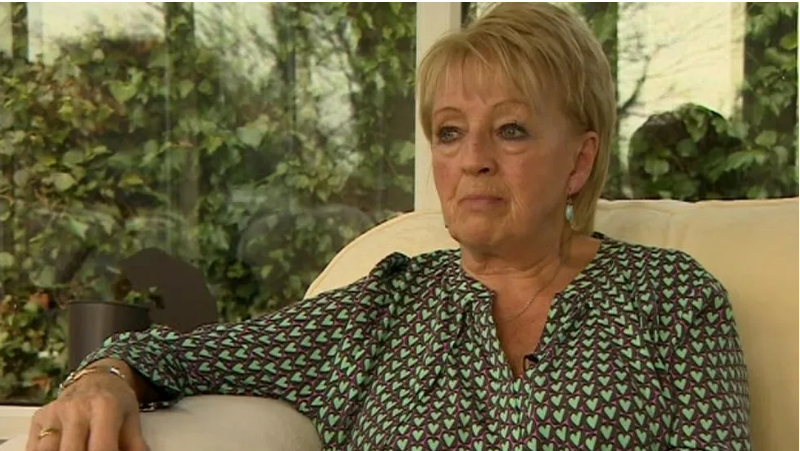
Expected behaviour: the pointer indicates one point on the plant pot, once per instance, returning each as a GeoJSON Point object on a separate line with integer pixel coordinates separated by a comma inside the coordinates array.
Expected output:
{"type": "Point", "coordinates": [91, 322]}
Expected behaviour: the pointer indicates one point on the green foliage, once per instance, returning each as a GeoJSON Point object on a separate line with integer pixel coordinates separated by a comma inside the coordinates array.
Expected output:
{"type": "Point", "coordinates": [32, 350]}
{"type": "Point", "coordinates": [688, 154]}
{"type": "Point", "coordinates": [694, 154]}
{"type": "Point", "coordinates": [769, 121]}
{"type": "Point", "coordinates": [120, 144]}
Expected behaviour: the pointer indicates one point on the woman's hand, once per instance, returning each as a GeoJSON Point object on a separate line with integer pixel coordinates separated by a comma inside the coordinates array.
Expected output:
{"type": "Point", "coordinates": [99, 412]}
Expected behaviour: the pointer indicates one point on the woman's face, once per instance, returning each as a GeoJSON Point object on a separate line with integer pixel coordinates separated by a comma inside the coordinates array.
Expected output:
{"type": "Point", "coordinates": [503, 169]}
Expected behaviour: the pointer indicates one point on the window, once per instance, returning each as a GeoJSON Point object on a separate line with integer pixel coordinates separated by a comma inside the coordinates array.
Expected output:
{"type": "Point", "coordinates": [253, 140]}
{"type": "Point", "coordinates": [707, 98]}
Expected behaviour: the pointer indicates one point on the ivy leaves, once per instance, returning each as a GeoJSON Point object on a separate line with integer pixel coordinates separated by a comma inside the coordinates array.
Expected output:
{"type": "Point", "coordinates": [120, 144]}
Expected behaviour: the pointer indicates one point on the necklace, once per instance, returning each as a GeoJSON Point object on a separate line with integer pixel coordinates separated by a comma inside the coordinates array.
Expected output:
{"type": "Point", "coordinates": [533, 298]}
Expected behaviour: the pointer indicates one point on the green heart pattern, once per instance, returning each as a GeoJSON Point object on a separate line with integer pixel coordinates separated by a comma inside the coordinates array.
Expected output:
{"type": "Point", "coordinates": [639, 352]}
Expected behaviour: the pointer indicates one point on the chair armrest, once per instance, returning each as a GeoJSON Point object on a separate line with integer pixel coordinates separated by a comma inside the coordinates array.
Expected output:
{"type": "Point", "coordinates": [222, 423]}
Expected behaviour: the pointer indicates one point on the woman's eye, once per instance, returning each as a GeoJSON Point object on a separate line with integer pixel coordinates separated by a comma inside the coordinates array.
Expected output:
{"type": "Point", "coordinates": [447, 134]}
{"type": "Point", "coordinates": [513, 131]}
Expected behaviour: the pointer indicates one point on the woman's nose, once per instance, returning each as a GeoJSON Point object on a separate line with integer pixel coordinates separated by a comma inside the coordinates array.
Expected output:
{"type": "Point", "coordinates": [478, 157]}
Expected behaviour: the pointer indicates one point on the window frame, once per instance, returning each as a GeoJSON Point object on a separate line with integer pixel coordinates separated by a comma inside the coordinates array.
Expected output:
{"type": "Point", "coordinates": [433, 21]}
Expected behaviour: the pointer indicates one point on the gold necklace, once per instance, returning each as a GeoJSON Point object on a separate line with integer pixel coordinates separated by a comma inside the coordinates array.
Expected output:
{"type": "Point", "coordinates": [533, 298]}
{"type": "Point", "coordinates": [539, 291]}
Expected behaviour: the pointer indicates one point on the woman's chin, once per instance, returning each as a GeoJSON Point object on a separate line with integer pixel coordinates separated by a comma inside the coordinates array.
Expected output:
{"type": "Point", "coordinates": [474, 235]}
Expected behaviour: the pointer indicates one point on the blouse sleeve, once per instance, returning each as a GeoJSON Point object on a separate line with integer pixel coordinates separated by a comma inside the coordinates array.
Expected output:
{"type": "Point", "coordinates": [705, 373]}
{"type": "Point", "coordinates": [286, 355]}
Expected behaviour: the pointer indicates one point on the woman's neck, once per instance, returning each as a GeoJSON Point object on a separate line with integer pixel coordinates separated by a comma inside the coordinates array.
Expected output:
{"type": "Point", "coordinates": [521, 257]}
{"type": "Point", "coordinates": [529, 268]}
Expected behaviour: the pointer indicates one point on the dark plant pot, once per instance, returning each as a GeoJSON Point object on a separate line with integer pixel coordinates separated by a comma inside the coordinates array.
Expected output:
{"type": "Point", "coordinates": [91, 322]}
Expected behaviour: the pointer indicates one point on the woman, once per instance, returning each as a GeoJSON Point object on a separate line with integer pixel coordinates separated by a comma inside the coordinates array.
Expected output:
{"type": "Point", "coordinates": [536, 333]}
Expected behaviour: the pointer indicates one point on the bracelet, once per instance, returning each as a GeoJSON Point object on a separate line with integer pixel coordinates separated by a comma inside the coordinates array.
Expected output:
{"type": "Point", "coordinates": [76, 375]}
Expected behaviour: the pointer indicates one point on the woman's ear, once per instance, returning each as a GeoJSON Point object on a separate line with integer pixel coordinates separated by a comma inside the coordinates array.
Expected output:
{"type": "Point", "coordinates": [584, 158]}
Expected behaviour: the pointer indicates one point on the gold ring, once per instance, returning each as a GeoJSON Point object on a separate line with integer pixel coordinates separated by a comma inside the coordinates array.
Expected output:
{"type": "Point", "coordinates": [48, 431]}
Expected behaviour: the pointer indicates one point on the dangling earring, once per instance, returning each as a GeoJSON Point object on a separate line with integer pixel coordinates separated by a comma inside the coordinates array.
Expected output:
{"type": "Point", "coordinates": [569, 213]}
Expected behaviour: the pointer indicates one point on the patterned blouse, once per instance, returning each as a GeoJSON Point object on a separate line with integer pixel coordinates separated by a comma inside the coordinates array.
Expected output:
{"type": "Point", "coordinates": [640, 351]}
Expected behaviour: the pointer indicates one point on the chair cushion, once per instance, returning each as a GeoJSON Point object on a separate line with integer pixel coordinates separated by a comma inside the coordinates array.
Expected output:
{"type": "Point", "coordinates": [222, 423]}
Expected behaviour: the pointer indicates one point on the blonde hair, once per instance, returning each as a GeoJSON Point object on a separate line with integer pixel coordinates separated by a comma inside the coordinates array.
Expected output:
{"type": "Point", "coordinates": [540, 48]}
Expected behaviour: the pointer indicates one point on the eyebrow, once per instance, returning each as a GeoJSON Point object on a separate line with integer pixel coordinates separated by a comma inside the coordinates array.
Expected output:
{"type": "Point", "coordinates": [445, 109]}
{"type": "Point", "coordinates": [513, 103]}
{"type": "Point", "coordinates": [503, 103]}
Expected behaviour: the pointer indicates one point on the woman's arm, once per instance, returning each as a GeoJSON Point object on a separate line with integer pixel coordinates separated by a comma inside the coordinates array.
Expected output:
{"type": "Point", "coordinates": [705, 373]}
{"type": "Point", "coordinates": [285, 355]}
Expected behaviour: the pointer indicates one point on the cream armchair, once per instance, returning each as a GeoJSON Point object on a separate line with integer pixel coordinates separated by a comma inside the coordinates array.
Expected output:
{"type": "Point", "coordinates": [751, 246]}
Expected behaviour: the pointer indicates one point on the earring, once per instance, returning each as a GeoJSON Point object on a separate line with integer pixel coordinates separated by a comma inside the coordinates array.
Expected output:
{"type": "Point", "coordinates": [569, 213]}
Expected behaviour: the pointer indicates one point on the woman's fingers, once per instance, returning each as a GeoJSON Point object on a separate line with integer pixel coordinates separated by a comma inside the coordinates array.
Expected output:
{"type": "Point", "coordinates": [45, 431]}
{"type": "Point", "coordinates": [99, 429]}
{"type": "Point", "coordinates": [97, 414]}
{"type": "Point", "coordinates": [49, 442]}
{"type": "Point", "coordinates": [33, 437]}
{"type": "Point", "coordinates": [131, 438]}
{"type": "Point", "coordinates": [75, 428]}
{"type": "Point", "coordinates": [106, 423]}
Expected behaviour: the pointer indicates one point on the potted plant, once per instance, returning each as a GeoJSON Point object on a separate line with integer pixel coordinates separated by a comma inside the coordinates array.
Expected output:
{"type": "Point", "coordinates": [91, 322]}
{"type": "Point", "coordinates": [152, 287]}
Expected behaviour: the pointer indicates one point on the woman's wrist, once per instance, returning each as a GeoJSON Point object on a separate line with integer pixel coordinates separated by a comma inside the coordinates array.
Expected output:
{"type": "Point", "coordinates": [106, 368]}
{"type": "Point", "coordinates": [144, 391]}
{"type": "Point", "coordinates": [76, 376]}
